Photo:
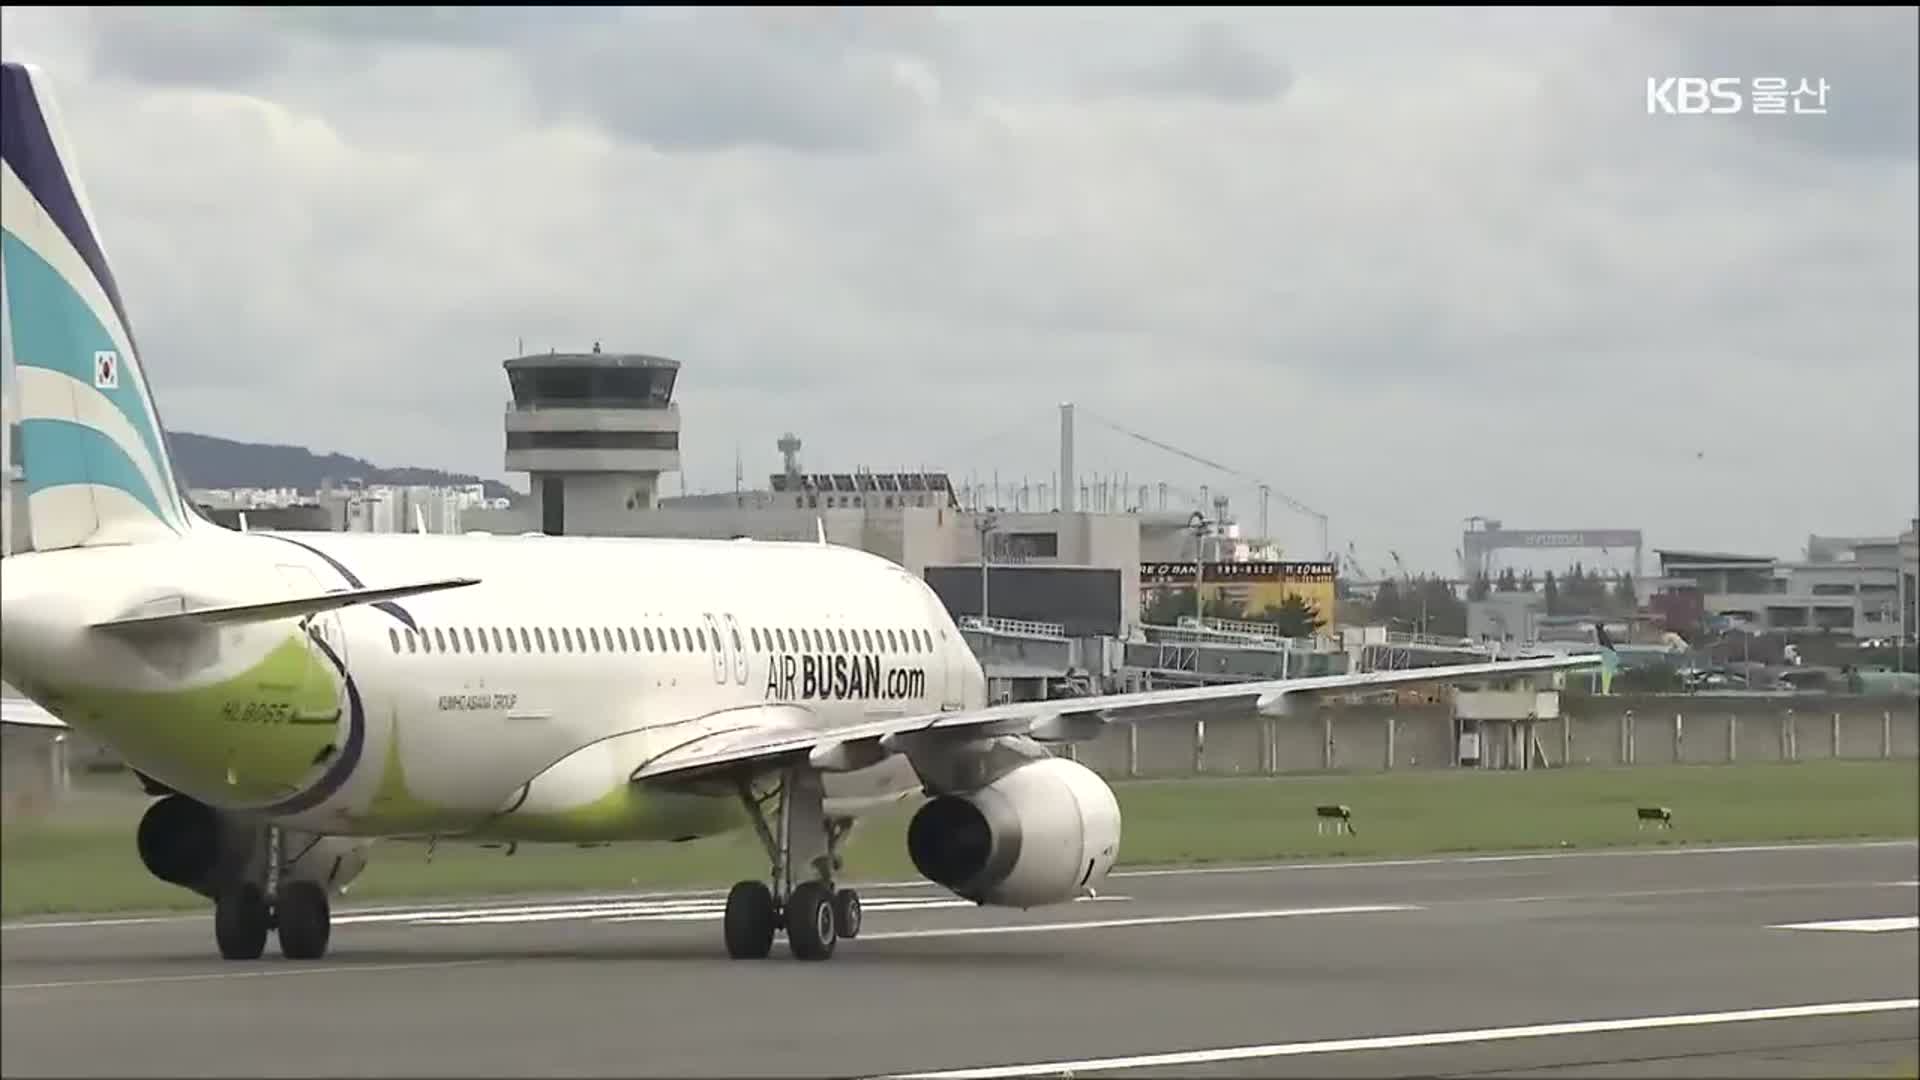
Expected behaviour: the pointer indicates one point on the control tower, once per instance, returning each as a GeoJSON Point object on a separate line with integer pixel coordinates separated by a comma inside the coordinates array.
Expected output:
{"type": "Point", "coordinates": [594, 431]}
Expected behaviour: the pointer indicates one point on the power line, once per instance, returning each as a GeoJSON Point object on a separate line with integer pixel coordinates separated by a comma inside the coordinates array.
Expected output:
{"type": "Point", "coordinates": [1289, 500]}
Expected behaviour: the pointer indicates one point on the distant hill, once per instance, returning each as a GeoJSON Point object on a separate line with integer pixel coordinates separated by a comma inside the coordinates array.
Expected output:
{"type": "Point", "coordinates": [209, 462]}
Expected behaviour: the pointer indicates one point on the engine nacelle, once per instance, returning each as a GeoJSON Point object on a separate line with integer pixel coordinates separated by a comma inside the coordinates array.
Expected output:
{"type": "Point", "coordinates": [1045, 833]}
{"type": "Point", "coordinates": [187, 843]}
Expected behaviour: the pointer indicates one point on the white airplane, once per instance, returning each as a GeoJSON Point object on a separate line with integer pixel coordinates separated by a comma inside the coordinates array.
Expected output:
{"type": "Point", "coordinates": [290, 697]}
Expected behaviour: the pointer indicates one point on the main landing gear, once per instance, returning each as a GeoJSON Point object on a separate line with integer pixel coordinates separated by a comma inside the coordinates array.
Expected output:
{"type": "Point", "coordinates": [245, 911]}
{"type": "Point", "coordinates": [812, 911]}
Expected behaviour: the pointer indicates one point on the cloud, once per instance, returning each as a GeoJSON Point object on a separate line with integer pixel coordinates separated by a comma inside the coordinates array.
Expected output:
{"type": "Point", "coordinates": [1406, 272]}
{"type": "Point", "coordinates": [1212, 62]}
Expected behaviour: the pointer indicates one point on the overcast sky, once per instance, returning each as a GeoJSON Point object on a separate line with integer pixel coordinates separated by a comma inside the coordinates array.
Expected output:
{"type": "Point", "coordinates": [1408, 266]}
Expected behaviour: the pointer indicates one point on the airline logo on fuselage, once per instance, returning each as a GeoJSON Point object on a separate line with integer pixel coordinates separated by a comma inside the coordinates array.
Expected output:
{"type": "Point", "coordinates": [839, 678]}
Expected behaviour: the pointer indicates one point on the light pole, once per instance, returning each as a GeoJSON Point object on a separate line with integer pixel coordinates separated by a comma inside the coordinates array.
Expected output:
{"type": "Point", "coordinates": [985, 524]}
{"type": "Point", "coordinates": [1198, 523]}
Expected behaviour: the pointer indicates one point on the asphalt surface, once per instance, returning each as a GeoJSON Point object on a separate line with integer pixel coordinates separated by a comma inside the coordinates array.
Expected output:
{"type": "Point", "coordinates": [1463, 966]}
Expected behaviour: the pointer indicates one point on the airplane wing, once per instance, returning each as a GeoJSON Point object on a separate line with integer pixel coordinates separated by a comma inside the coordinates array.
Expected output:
{"type": "Point", "coordinates": [1056, 720]}
{"type": "Point", "coordinates": [19, 712]}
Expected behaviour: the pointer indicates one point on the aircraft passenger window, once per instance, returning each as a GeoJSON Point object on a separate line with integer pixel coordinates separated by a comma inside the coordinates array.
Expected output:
{"type": "Point", "coordinates": [526, 643]}
{"type": "Point", "coordinates": [439, 640]}
{"type": "Point", "coordinates": [620, 635]}
{"type": "Point", "coordinates": [701, 637]}
{"type": "Point", "coordinates": [671, 635]}
{"type": "Point", "coordinates": [482, 636]}
{"type": "Point", "coordinates": [566, 638]}
{"type": "Point", "coordinates": [866, 639]}
{"type": "Point", "coordinates": [513, 645]}
{"type": "Point", "coordinates": [497, 647]}
{"type": "Point", "coordinates": [467, 633]}
{"type": "Point", "coordinates": [453, 638]}
{"type": "Point", "coordinates": [412, 645]}
{"type": "Point", "coordinates": [593, 634]}
{"type": "Point", "coordinates": [753, 635]}
{"type": "Point", "coordinates": [734, 633]}
{"type": "Point", "coordinates": [394, 636]}
{"type": "Point", "coordinates": [648, 631]}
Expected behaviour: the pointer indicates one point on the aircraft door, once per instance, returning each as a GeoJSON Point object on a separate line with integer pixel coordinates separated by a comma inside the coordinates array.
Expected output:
{"type": "Point", "coordinates": [739, 648]}
{"type": "Point", "coordinates": [718, 644]}
{"type": "Point", "coordinates": [948, 665]}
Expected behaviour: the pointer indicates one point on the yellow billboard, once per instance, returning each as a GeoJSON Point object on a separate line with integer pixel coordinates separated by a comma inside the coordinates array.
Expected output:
{"type": "Point", "coordinates": [1248, 587]}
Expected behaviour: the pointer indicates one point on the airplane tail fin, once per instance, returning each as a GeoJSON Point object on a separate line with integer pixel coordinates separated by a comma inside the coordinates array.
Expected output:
{"type": "Point", "coordinates": [94, 453]}
{"type": "Point", "coordinates": [1609, 657]}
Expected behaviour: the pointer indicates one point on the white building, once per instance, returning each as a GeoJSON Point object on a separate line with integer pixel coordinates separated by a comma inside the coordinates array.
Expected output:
{"type": "Point", "coordinates": [1848, 586]}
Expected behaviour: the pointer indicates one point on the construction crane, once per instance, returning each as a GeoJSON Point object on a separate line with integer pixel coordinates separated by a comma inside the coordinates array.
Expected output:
{"type": "Point", "coordinates": [1265, 488]}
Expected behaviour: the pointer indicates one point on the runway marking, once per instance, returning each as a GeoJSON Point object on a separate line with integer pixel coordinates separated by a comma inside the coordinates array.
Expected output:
{"type": "Point", "coordinates": [264, 973]}
{"type": "Point", "coordinates": [1861, 926]}
{"type": "Point", "coordinates": [1145, 920]}
{"type": "Point", "coordinates": [1434, 1038]}
{"type": "Point", "coordinates": [701, 910]}
{"type": "Point", "coordinates": [453, 905]}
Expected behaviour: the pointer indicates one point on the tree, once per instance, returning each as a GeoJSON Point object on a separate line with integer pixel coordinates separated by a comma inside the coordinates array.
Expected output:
{"type": "Point", "coordinates": [1164, 607]}
{"type": "Point", "coordinates": [1480, 588]}
{"type": "Point", "coordinates": [1294, 617]}
{"type": "Point", "coordinates": [1552, 590]}
{"type": "Point", "coordinates": [1508, 583]}
{"type": "Point", "coordinates": [1221, 605]}
{"type": "Point", "coordinates": [1386, 603]}
{"type": "Point", "coordinates": [1445, 615]}
{"type": "Point", "coordinates": [1623, 593]}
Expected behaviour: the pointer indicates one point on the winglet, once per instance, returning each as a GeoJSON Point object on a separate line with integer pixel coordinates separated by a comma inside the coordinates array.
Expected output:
{"type": "Point", "coordinates": [820, 528]}
{"type": "Point", "coordinates": [268, 611]}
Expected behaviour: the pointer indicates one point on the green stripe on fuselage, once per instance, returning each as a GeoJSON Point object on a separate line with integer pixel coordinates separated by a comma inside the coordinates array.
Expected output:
{"type": "Point", "coordinates": [250, 738]}
{"type": "Point", "coordinates": [629, 812]}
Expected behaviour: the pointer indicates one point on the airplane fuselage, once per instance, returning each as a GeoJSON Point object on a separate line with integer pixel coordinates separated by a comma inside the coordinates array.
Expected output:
{"type": "Point", "coordinates": [516, 708]}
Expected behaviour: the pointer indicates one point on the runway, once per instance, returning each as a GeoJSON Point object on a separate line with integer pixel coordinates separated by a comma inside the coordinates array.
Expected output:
{"type": "Point", "coordinates": [1766, 960]}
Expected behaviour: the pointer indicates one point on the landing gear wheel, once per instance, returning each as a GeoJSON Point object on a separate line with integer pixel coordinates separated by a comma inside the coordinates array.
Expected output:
{"type": "Point", "coordinates": [846, 914]}
{"type": "Point", "coordinates": [749, 921]}
{"type": "Point", "coordinates": [305, 919]}
{"type": "Point", "coordinates": [240, 920]}
{"type": "Point", "coordinates": [810, 921]}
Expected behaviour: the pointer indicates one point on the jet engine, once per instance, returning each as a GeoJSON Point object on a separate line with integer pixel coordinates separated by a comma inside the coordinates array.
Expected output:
{"type": "Point", "coordinates": [187, 843]}
{"type": "Point", "coordinates": [1044, 833]}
